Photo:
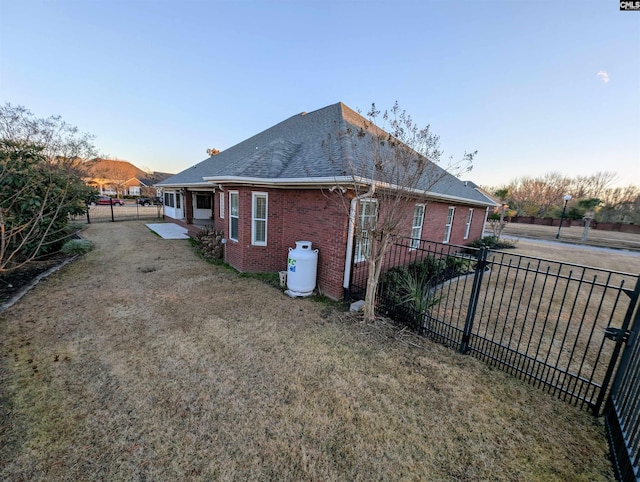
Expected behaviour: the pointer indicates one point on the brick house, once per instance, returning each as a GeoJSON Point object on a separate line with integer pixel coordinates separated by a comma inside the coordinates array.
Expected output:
{"type": "Point", "coordinates": [121, 178]}
{"type": "Point", "coordinates": [290, 183]}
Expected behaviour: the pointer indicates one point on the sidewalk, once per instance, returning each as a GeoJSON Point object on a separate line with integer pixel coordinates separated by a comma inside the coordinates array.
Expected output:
{"type": "Point", "coordinates": [573, 235]}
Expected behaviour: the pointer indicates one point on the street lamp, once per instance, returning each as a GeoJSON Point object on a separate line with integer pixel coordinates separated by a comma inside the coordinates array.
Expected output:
{"type": "Point", "coordinates": [567, 198]}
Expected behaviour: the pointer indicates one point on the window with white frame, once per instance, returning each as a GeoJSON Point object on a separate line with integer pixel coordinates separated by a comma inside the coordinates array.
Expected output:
{"type": "Point", "coordinates": [416, 227]}
{"type": "Point", "coordinates": [259, 218]}
{"type": "Point", "coordinates": [468, 227]}
{"type": "Point", "coordinates": [203, 201]}
{"type": "Point", "coordinates": [134, 190]}
{"type": "Point", "coordinates": [178, 198]}
{"type": "Point", "coordinates": [169, 199]}
{"type": "Point", "coordinates": [447, 228]}
{"type": "Point", "coordinates": [221, 205]}
{"type": "Point", "coordinates": [234, 211]}
{"type": "Point", "coordinates": [368, 217]}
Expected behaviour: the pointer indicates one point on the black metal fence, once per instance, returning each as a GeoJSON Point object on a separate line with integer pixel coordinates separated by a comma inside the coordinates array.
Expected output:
{"type": "Point", "coordinates": [622, 411]}
{"type": "Point", "coordinates": [112, 213]}
{"type": "Point", "coordinates": [554, 324]}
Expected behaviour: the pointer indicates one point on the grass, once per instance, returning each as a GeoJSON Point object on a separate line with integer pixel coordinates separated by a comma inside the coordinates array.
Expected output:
{"type": "Point", "coordinates": [183, 370]}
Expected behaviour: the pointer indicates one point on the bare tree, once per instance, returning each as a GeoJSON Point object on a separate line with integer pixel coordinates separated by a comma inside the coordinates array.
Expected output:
{"type": "Point", "coordinates": [542, 195]}
{"type": "Point", "coordinates": [118, 173]}
{"type": "Point", "coordinates": [62, 144]}
{"type": "Point", "coordinates": [589, 187]}
{"type": "Point", "coordinates": [620, 205]}
{"type": "Point", "coordinates": [390, 165]}
{"type": "Point", "coordinates": [536, 196]}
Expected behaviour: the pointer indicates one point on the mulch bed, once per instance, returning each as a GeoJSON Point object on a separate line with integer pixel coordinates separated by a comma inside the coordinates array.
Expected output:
{"type": "Point", "coordinates": [14, 281]}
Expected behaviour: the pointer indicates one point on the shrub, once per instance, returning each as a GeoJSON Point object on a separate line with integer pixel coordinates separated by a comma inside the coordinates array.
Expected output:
{"type": "Point", "coordinates": [408, 292]}
{"type": "Point", "coordinates": [209, 243]}
{"type": "Point", "coordinates": [492, 242]}
{"type": "Point", "coordinates": [77, 246]}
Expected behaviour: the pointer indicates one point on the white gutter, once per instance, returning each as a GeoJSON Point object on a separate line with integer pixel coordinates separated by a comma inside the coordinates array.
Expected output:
{"type": "Point", "coordinates": [484, 226]}
{"type": "Point", "coordinates": [314, 182]}
{"type": "Point", "coordinates": [351, 232]}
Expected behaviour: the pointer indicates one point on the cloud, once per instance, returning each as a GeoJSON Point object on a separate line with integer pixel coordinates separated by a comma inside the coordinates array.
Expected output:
{"type": "Point", "coordinates": [603, 75]}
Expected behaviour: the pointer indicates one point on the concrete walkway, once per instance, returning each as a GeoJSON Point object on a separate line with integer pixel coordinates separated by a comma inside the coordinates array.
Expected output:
{"type": "Point", "coordinates": [169, 230]}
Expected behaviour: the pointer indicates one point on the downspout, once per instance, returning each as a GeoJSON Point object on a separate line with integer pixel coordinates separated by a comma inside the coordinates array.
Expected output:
{"type": "Point", "coordinates": [484, 226]}
{"type": "Point", "coordinates": [351, 233]}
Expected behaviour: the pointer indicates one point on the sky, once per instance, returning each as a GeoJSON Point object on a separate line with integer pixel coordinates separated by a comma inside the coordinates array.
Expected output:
{"type": "Point", "coordinates": [534, 86]}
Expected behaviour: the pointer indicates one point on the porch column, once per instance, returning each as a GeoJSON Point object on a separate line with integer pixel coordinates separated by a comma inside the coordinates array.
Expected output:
{"type": "Point", "coordinates": [188, 206]}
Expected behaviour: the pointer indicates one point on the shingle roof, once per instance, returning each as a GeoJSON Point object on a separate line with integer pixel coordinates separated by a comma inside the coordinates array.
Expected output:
{"type": "Point", "coordinates": [309, 146]}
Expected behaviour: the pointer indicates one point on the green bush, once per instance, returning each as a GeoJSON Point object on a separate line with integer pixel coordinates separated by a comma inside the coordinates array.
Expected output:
{"type": "Point", "coordinates": [43, 198]}
{"type": "Point", "coordinates": [408, 292]}
{"type": "Point", "coordinates": [77, 246]}
{"type": "Point", "coordinates": [491, 242]}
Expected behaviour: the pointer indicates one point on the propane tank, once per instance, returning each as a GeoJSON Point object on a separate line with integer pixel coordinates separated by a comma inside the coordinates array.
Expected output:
{"type": "Point", "coordinates": [302, 268]}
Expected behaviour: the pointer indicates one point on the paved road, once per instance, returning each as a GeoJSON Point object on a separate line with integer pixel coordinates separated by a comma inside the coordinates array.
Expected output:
{"type": "Point", "coordinates": [586, 247]}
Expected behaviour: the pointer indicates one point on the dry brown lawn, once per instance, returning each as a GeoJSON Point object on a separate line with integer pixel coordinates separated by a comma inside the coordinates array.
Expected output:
{"type": "Point", "coordinates": [557, 319]}
{"type": "Point", "coordinates": [139, 361]}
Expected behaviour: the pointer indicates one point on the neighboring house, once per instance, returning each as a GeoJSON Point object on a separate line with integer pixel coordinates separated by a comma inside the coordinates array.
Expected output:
{"type": "Point", "coordinates": [291, 183]}
{"type": "Point", "coordinates": [121, 178]}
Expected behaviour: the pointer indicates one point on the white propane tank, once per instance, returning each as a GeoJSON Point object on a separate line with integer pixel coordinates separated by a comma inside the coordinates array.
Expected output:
{"type": "Point", "coordinates": [302, 267]}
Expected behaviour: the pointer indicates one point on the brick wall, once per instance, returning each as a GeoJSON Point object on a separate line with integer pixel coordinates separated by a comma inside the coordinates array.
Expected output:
{"type": "Point", "coordinates": [435, 219]}
{"type": "Point", "coordinates": [433, 229]}
{"type": "Point", "coordinates": [292, 215]}
{"type": "Point", "coordinates": [322, 218]}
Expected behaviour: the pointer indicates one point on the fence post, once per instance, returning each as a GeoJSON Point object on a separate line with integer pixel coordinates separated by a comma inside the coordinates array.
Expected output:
{"type": "Point", "coordinates": [473, 299]}
{"type": "Point", "coordinates": [619, 338]}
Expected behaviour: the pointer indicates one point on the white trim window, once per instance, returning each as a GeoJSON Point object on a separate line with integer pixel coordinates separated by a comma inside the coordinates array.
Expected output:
{"type": "Point", "coordinates": [367, 221]}
{"type": "Point", "coordinates": [259, 203]}
{"type": "Point", "coordinates": [234, 215]}
{"type": "Point", "coordinates": [447, 227]}
{"type": "Point", "coordinates": [204, 201]}
{"type": "Point", "coordinates": [221, 203]}
{"type": "Point", "coordinates": [416, 227]}
{"type": "Point", "coordinates": [467, 229]}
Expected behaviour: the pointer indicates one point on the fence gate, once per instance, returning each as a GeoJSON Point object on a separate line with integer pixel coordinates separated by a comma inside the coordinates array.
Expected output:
{"type": "Point", "coordinates": [622, 411]}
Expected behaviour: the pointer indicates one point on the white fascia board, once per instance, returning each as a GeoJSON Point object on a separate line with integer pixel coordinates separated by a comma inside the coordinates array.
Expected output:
{"type": "Point", "coordinates": [317, 182]}
{"type": "Point", "coordinates": [433, 195]}
{"type": "Point", "coordinates": [457, 199]}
